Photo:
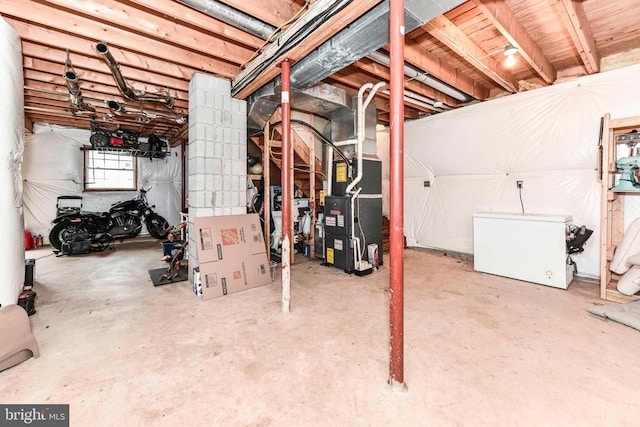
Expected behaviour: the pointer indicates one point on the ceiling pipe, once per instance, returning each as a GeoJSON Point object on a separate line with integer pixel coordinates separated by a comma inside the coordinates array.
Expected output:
{"type": "Point", "coordinates": [75, 96]}
{"type": "Point", "coordinates": [127, 91]}
{"type": "Point", "coordinates": [144, 116]}
{"type": "Point", "coordinates": [414, 74]}
{"type": "Point", "coordinates": [233, 17]}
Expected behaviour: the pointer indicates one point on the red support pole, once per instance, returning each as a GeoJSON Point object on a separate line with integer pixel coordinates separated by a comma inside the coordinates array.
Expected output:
{"type": "Point", "coordinates": [285, 172]}
{"type": "Point", "coordinates": [396, 214]}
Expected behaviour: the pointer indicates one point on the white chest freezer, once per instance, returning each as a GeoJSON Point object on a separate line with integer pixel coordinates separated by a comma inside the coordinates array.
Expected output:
{"type": "Point", "coordinates": [529, 247]}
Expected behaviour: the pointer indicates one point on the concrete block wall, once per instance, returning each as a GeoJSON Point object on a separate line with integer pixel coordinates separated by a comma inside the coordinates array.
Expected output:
{"type": "Point", "coordinates": [217, 153]}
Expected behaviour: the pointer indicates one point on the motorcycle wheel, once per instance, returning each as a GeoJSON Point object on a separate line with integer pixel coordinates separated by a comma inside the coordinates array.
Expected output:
{"type": "Point", "coordinates": [157, 226]}
{"type": "Point", "coordinates": [64, 231]}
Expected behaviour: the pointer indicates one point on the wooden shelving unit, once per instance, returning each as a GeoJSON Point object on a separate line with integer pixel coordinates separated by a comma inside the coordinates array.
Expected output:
{"type": "Point", "coordinates": [612, 205]}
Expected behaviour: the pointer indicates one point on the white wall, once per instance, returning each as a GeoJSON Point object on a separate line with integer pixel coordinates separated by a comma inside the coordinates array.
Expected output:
{"type": "Point", "coordinates": [547, 138]}
{"type": "Point", "coordinates": [11, 151]}
{"type": "Point", "coordinates": [53, 166]}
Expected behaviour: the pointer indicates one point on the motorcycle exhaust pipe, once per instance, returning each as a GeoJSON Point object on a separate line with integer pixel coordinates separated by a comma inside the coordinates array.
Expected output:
{"type": "Point", "coordinates": [128, 91]}
{"type": "Point", "coordinates": [119, 110]}
{"type": "Point", "coordinates": [75, 96]}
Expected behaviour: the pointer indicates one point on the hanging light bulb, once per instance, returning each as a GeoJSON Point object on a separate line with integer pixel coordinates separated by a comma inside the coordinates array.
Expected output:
{"type": "Point", "coordinates": [510, 52]}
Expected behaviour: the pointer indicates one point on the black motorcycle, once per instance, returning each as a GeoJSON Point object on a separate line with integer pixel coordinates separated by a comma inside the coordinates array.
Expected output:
{"type": "Point", "coordinates": [123, 221]}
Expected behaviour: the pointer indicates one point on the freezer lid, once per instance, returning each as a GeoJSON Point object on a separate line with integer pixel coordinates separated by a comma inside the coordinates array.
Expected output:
{"type": "Point", "coordinates": [524, 217]}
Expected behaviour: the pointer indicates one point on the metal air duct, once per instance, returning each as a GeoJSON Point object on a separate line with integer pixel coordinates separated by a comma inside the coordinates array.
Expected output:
{"type": "Point", "coordinates": [127, 91]}
{"type": "Point", "coordinates": [367, 34]}
{"type": "Point", "coordinates": [75, 96]}
{"type": "Point", "coordinates": [232, 16]}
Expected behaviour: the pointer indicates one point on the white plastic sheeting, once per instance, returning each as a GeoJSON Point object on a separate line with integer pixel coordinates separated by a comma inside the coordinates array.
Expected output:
{"type": "Point", "coordinates": [53, 166]}
{"type": "Point", "coordinates": [12, 146]}
{"type": "Point", "coordinates": [547, 138]}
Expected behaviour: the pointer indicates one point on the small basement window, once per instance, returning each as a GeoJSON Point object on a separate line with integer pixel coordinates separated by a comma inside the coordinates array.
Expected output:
{"type": "Point", "coordinates": [109, 171]}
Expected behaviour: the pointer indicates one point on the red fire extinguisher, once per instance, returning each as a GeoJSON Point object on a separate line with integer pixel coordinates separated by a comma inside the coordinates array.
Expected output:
{"type": "Point", "coordinates": [28, 240]}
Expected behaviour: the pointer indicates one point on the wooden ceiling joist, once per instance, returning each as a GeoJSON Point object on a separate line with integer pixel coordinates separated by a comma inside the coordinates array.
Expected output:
{"type": "Point", "coordinates": [195, 19]}
{"type": "Point", "coordinates": [32, 51]}
{"type": "Point", "coordinates": [579, 29]}
{"type": "Point", "coordinates": [439, 69]}
{"type": "Point", "coordinates": [94, 31]}
{"type": "Point", "coordinates": [501, 16]}
{"type": "Point", "coordinates": [442, 29]}
{"type": "Point", "coordinates": [86, 47]}
{"type": "Point", "coordinates": [380, 71]}
{"type": "Point", "coordinates": [149, 26]}
{"type": "Point", "coordinates": [96, 77]}
{"type": "Point", "coordinates": [347, 15]}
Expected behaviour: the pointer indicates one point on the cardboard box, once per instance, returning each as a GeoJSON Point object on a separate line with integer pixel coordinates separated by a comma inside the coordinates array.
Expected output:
{"type": "Point", "coordinates": [218, 235]}
{"type": "Point", "coordinates": [231, 253]}
{"type": "Point", "coordinates": [244, 272]}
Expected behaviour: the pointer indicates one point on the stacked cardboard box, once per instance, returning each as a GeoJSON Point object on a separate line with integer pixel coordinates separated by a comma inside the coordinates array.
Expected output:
{"type": "Point", "coordinates": [231, 254]}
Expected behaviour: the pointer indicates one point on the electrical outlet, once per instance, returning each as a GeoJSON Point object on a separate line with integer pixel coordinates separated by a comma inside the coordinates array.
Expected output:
{"type": "Point", "coordinates": [427, 183]}
{"type": "Point", "coordinates": [519, 184]}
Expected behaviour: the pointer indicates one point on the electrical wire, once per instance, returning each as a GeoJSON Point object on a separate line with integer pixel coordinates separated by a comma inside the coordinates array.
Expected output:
{"type": "Point", "coordinates": [269, 39]}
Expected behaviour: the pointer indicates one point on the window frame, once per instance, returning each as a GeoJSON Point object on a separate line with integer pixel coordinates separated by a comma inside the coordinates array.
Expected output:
{"type": "Point", "coordinates": [86, 170]}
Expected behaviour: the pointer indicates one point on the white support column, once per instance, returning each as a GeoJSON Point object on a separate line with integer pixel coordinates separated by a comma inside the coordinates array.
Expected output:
{"type": "Point", "coordinates": [217, 153]}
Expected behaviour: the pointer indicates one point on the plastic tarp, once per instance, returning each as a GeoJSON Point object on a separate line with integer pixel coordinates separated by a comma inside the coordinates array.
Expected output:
{"type": "Point", "coordinates": [12, 142]}
{"type": "Point", "coordinates": [53, 167]}
{"type": "Point", "coordinates": [548, 138]}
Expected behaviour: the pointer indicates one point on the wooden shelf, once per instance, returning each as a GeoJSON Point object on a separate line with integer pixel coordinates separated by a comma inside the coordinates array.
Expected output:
{"type": "Point", "coordinates": [612, 206]}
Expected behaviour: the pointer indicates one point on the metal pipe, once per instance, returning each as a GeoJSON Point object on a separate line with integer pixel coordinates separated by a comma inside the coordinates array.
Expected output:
{"type": "Point", "coordinates": [75, 96]}
{"type": "Point", "coordinates": [412, 73]}
{"type": "Point", "coordinates": [362, 108]}
{"type": "Point", "coordinates": [396, 219]}
{"type": "Point", "coordinates": [144, 116]}
{"type": "Point", "coordinates": [127, 91]}
{"type": "Point", "coordinates": [285, 176]}
{"type": "Point", "coordinates": [233, 17]}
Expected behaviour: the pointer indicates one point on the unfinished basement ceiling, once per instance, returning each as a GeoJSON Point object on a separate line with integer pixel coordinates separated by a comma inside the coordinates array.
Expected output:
{"type": "Point", "coordinates": [454, 59]}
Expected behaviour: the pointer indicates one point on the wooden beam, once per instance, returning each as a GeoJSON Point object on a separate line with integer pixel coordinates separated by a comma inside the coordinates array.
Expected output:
{"type": "Point", "coordinates": [274, 12]}
{"type": "Point", "coordinates": [91, 89]}
{"type": "Point", "coordinates": [118, 38]}
{"type": "Point", "coordinates": [425, 61]}
{"type": "Point", "coordinates": [501, 16]}
{"type": "Point", "coordinates": [340, 20]}
{"type": "Point", "coordinates": [85, 47]}
{"type": "Point", "coordinates": [138, 22]}
{"type": "Point", "coordinates": [382, 73]}
{"type": "Point", "coordinates": [177, 12]}
{"type": "Point", "coordinates": [577, 24]}
{"type": "Point", "coordinates": [455, 39]}
{"type": "Point", "coordinates": [58, 56]}
{"type": "Point", "coordinates": [28, 125]}
{"type": "Point", "coordinates": [98, 77]}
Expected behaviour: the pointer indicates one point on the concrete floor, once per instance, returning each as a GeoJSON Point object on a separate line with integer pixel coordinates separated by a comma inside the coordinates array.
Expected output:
{"type": "Point", "coordinates": [479, 349]}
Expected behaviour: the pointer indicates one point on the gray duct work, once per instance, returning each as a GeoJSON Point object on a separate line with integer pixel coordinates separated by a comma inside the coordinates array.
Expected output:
{"type": "Point", "coordinates": [363, 37]}
{"type": "Point", "coordinates": [367, 34]}
{"type": "Point", "coordinates": [127, 91]}
{"type": "Point", "coordinates": [145, 116]}
{"type": "Point", "coordinates": [75, 96]}
{"type": "Point", "coordinates": [233, 17]}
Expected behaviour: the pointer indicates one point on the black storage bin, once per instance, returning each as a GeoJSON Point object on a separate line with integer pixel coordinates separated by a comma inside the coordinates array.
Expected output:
{"type": "Point", "coordinates": [29, 271]}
